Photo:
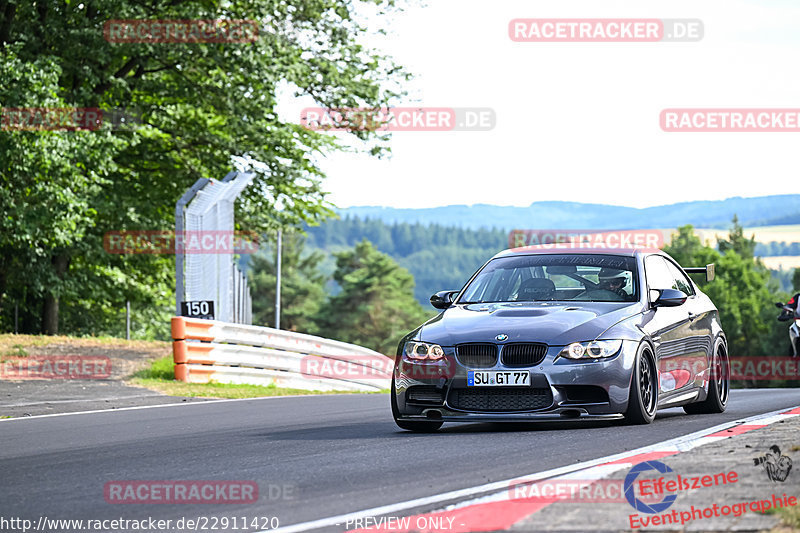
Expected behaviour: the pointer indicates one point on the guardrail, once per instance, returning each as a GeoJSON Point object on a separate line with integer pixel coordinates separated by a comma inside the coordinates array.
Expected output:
{"type": "Point", "coordinates": [209, 350]}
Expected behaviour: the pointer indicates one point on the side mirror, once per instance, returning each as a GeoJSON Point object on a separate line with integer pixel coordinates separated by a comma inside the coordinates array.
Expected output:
{"type": "Point", "coordinates": [443, 299]}
{"type": "Point", "coordinates": [670, 298]}
{"type": "Point", "coordinates": [779, 305]}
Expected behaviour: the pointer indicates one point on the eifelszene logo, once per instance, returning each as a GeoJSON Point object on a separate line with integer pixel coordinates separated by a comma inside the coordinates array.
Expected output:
{"type": "Point", "coordinates": [630, 495]}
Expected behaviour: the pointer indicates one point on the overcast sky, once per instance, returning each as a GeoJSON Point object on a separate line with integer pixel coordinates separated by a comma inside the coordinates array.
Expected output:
{"type": "Point", "coordinates": [580, 121]}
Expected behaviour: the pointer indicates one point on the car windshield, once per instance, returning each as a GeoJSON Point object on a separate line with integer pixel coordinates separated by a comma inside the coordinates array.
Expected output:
{"type": "Point", "coordinates": [572, 277]}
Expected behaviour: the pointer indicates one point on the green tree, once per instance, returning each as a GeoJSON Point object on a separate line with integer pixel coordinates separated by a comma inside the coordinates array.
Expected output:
{"type": "Point", "coordinates": [376, 304]}
{"type": "Point", "coordinates": [438, 257]}
{"type": "Point", "coordinates": [796, 280]}
{"type": "Point", "coordinates": [737, 242]}
{"type": "Point", "coordinates": [741, 290]}
{"type": "Point", "coordinates": [687, 249]}
{"type": "Point", "coordinates": [203, 107]}
{"type": "Point", "coordinates": [302, 285]}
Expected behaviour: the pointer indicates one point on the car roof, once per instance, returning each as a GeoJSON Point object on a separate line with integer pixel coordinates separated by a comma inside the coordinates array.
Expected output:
{"type": "Point", "coordinates": [587, 249]}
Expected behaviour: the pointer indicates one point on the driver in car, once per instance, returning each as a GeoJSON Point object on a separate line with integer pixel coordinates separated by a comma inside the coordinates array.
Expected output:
{"type": "Point", "coordinates": [611, 279]}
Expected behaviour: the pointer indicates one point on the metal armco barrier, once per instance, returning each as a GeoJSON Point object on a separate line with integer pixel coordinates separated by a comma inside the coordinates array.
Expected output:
{"type": "Point", "coordinates": [209, 350]}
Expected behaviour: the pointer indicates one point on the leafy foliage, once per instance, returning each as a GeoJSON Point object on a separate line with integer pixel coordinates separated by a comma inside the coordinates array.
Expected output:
{"type": "Point", "coordinates": [203, 106]}
{"type": "Point", "coordinates": [438, 257]}
{"type": "Point", "coordinates": [302, 285]}
{"type": "Point", "coordinates": [375, 306]}
{"type": "Point", "coordinates": [743, 290]}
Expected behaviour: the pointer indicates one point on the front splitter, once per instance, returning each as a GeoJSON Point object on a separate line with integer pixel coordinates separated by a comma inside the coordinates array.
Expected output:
{"type": "Point", "coordinates": [563, 414]}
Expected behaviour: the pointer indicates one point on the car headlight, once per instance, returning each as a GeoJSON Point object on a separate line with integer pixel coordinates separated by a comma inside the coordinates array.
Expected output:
{"type": "Point", "coordinates": [423, 351]}
{"type": "Point", "coordinates": [591, 350]}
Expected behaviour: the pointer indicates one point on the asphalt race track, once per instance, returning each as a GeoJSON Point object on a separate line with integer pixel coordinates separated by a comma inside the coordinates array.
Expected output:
{"type": "Point", "coordinates": [312, 457]}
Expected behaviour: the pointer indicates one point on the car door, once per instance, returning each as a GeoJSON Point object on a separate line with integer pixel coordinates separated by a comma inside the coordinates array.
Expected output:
{"type": "Point", "coordinates": [698, 339]}
{"type": "Point", "coordinates": [667, 327]}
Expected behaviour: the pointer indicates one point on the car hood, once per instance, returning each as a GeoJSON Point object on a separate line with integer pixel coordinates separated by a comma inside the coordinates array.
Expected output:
{"type": "Point", "coordinates": [547, 322]}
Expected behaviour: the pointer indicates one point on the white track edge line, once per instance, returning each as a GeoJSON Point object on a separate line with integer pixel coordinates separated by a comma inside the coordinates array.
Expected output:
{"type": "Point", "coordinates": [488, 487]}
{"type": "Point", "coordinates": [200, 401]}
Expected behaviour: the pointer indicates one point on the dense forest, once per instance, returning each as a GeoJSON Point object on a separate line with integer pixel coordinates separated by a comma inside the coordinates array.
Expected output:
{"type": "Point", "coordinates": [438, 257]}
{"type": "Point", "coordinates": [441, 257]}
{"type": "Point", "coordinates": [770, 249]}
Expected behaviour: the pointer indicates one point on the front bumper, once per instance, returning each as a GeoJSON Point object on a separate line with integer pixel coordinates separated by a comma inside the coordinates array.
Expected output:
{"type": "Point", "coordinates": [563, 389]}
{"type": "Point", "coordinates": [549, 416]}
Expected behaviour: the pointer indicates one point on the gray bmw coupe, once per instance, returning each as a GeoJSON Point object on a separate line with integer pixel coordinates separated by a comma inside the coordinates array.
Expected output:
{"type": "Point", "coordinates": [543, 333]}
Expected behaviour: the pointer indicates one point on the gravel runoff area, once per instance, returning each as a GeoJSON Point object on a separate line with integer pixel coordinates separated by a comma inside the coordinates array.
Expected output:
{"type": "Point", "coordinates": [31, 397]}
{"type": "Point", "coordinates": [738, 454]}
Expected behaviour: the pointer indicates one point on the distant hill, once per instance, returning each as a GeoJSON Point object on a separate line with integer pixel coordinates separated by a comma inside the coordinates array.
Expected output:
{"type": "Point", "coordinates": [759, 211]}
{"type": "Point", "coordinates": [441, 257]}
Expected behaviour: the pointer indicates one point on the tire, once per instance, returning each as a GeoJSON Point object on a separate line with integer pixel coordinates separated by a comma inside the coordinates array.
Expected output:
{"type": "Point", "coordinates": [643, 397]}
{"type": "Point", "coordinates": [412, 425]}
{"type": "Point", "coordinates": [718, 388]}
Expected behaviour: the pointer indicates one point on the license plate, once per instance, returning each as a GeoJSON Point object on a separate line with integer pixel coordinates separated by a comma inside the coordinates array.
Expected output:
{"type": "Point", "coordinates": [498, 378]}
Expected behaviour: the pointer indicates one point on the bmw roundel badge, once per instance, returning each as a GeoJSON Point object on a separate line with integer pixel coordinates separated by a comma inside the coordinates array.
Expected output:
{"type": "Point", "coordinates": [502, 337]}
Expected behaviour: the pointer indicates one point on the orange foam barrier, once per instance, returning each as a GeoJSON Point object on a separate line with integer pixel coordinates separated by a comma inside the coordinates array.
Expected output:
{"type": "Point", "coordinates": [192, 352]}
{"type": "Point", "coordinates": [181, 372]}
{"type": "Point", "coordinates": [182, 352]}
{"type": "Point", "coordinates": [191, 328]}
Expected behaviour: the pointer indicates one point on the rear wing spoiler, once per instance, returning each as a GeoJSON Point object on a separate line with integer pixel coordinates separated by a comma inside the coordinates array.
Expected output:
{"type": "Point", "coordinates": [708, 270]}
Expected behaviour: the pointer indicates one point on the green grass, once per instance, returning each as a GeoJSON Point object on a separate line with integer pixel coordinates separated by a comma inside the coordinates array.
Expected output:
{"type": "Point", "coordinates": [160, 376]}
{"type": "Point", "coordinates": [17, 351]}
{"type": "Point", "coordinates": [790, 517]}
{"type": "Point", "coordinates": [162, 369]}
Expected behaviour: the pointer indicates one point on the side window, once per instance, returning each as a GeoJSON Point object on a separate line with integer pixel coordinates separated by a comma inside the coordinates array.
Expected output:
{"type": "Point", "coordinates": [658, 275]}
{"type": "Point", "coordinates": [680, 281]}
